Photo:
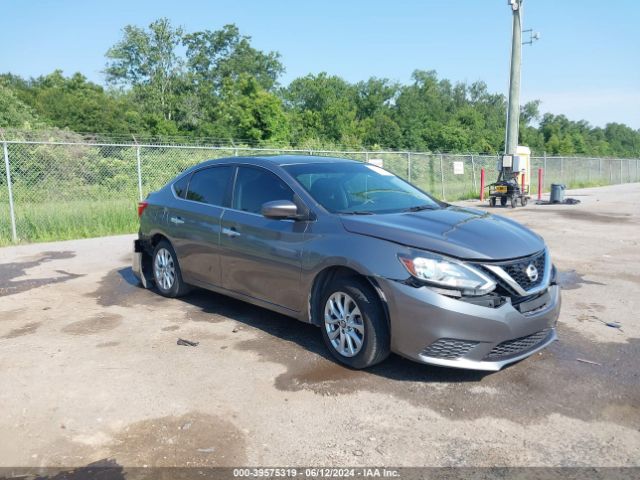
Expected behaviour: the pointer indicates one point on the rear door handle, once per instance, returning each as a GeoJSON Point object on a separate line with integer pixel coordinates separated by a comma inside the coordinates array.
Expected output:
{"type": "Point", "coordinates": [177, 220]}
{"type": "Point", "coordinates": [230, 232]}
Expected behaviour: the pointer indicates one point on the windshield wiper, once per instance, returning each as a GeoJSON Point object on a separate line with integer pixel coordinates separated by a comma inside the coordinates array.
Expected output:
{"type": "Point", "coordinates": [419, 208]}
{"type": "Point", "coordinates": [355, 212]}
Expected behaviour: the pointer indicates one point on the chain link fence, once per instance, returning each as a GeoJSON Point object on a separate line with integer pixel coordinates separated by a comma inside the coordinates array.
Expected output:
{"type": "Point", "coordinates": [60, 190]}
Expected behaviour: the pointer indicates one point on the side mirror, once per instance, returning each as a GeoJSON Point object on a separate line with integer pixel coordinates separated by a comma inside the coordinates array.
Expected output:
{"type": "Point", "coordinates": [280, 209]}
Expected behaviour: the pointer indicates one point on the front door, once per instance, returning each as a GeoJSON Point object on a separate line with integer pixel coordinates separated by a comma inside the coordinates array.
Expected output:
{"type": "Point", "coordinates": [261, 257]}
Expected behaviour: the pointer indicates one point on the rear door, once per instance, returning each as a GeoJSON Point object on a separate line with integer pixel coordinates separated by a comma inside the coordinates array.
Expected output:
{"type": "Point", "coordinates": [195, 223]}
{"type": "Point", "coordinates": [260, 256]}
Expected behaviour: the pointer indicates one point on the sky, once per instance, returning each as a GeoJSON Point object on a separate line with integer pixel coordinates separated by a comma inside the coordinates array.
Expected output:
{"type": "Point", "coordinates": [586, 64]}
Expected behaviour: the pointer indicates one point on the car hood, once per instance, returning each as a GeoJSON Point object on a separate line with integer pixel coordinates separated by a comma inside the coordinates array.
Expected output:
{"type": "Point", "coordinates": [455, 231]}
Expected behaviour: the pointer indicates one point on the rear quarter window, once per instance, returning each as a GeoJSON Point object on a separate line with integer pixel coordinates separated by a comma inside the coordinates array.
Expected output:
{"type": "Point", "coordinates": [180, 186]}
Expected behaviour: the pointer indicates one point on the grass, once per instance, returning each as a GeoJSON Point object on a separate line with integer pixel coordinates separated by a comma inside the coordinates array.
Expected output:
{"type": "Point", "coordinates": [67, 220]}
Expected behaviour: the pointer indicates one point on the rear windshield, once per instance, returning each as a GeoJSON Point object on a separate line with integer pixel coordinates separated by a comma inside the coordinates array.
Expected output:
{"type": "Point", "coordinates": [359, 188]}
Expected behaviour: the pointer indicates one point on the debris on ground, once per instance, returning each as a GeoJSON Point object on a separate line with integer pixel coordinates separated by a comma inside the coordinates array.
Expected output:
{"type": "Point", "coordinates": [187, 343]}
{"type": "Point", "coordinates": [588, 361]}
{"type": "Point", "coordinates": [235, 330]}
{"type": "Point", "coordinates": [612, 324]}
{"type": "Point", "coordinates": [566, 201]}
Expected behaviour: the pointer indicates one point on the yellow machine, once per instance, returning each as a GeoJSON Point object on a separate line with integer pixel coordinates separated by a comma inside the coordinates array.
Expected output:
{"type": "Point", "coordinates": [514, 179]}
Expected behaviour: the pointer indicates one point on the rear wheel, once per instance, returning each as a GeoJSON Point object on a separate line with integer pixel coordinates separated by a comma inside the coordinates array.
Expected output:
{"type": "Point", "coordinates": [492, 201]}
{"type": "Point", "coordinates": [354, 326]}
{"type": "Point", "coordinates": [525, 200]}
{"type": "Point", "coordinates": [166, 271]}
{"type": "Point", "coordinates": [514, 202]}
{"type": "Point", "coordinates": [503, 201]}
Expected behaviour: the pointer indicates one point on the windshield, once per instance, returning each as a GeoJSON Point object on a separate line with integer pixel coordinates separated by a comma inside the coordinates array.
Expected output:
{"type": "Point", "coordinates": [359, 188]}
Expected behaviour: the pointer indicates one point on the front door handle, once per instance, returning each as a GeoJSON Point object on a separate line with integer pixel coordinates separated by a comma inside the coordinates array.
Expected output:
{"type": "Point", "coordinates": [230, 232]}
{"type": "Point", "coordinates": [177, 220]}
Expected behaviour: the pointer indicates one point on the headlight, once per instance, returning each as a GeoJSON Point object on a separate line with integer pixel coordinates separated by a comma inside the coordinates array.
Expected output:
{"type": "Point", "coordinates": [448, 273]}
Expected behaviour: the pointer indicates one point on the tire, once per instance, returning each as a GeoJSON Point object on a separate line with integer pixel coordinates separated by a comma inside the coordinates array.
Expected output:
{"type": "Point", "coordinates": [492, 201]}
{"type": "Point", "coordinates": [524, 201]}
{"type": "Point", "coordinates": [366, 322]}
{"type": "Point", "coordinates": [166, 271]}
{"type": "Point", "coordinates": [503, 201]}
{"type": "Point", "coordinates": [514, 202]}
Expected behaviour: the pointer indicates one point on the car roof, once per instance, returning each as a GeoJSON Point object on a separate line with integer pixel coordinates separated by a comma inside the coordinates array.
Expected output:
{"type": "Point", "coordinates": [279, 160]}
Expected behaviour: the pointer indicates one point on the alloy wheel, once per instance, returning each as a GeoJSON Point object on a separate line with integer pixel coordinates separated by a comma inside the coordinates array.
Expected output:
{"type": "Point", "coordinates": [344, 324]}
{"type": "Point", "coordinates": [164, 269]}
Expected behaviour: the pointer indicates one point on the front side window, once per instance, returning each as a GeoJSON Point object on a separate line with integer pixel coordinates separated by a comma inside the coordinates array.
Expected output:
{"type": "Point", "coordinates": [209, 185]}
{"type": "Point", "coordinates": [357, 188]}
{"type": "Point", "coordinates": [255, 187]}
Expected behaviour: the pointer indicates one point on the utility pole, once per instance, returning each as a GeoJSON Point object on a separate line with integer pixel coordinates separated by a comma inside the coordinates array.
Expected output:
{"type": "Point", "coordinates": [513, 113]}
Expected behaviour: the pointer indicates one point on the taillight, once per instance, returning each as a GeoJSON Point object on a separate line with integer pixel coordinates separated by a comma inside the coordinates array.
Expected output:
{"type": "Point", "coordinates": [141, 207]}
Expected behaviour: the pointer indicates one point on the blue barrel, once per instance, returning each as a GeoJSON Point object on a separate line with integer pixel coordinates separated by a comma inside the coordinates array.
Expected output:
{"type": "Point", "coordinates": [557, 192]}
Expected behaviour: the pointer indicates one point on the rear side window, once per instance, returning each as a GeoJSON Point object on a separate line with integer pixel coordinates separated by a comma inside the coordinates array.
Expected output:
{"type": "Point", "coordinates": [255, 186]}
{"type": "Point", "coordinates": [180, 187]}
{"type": "Point", "coordinates": [209, 185]}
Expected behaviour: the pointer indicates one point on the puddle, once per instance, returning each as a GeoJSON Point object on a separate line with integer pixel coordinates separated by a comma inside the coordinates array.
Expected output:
{"type": "Point", "coordinates": [193, 439]}
{"type": "Point", "coordinates": [588, 215]}
{"type": "Point", "coordinates": [571, 280]}
{"type": "Point", "coordinates": [121, 287]}
{"type": "Point", "coordinates": [27, 329]}
{"type": "Point", "coordinates": [99, 323]}
{"type": "Point", "coordinates": [10, 271]}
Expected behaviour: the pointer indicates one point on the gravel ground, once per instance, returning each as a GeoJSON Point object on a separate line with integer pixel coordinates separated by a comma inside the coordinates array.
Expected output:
{"type": "Point", "coordinates": [90, 369]}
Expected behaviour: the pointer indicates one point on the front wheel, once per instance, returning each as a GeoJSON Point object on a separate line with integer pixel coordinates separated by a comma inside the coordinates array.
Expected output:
{"type": "Point", "coordinates": [166, 271]}
{"type": "Point", "coordinates": [354, 325]}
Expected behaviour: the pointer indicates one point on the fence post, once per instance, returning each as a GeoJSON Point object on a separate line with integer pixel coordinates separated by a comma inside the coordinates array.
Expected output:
{"type": "Point", "coordinates": [482, 184]}
{"type": "Point", "coordinates": [562, 169]}
{"type": "Point", "coordinates": [600, 169]}
{"type": "Point", "coordinates": [409, 167]}
{"type": "Point", "coordinates": [621, 171]}
{"type": "Point", "coordinates": [139, 171]}
{"type": "Point", "coordinates": [442, 178]}
{"type": "Point", "coordinates": [473, 172]}
{"type": "Point", "coordinates": [235, 152]}
{"type": "Point", "coordinates": [12, 213]}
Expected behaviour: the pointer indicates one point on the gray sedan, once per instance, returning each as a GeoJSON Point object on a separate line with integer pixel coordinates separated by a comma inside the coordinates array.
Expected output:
{"type": "Point", "coordinates": [379, 265]}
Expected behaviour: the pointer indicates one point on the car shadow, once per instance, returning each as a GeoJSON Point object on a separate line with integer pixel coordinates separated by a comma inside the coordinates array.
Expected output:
{"type": "Point", "coordinates": [208, 305]}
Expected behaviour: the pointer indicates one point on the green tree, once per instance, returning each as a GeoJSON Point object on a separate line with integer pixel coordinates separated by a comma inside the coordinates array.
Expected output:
{"type": "Point", "coordinates": [214, 57]}
{"type": "Point", "coordinates": [13, 112]}
{"type": "Point", "coordinates": [149, 63]}
{"type": "Point", "coordinates": [322, 106]}
{"type": "Point", "coordinates": [250, 114]}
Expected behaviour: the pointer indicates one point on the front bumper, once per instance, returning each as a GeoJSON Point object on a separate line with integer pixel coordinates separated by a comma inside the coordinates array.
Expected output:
{"type": "Point", "coordinates": [432, 328]}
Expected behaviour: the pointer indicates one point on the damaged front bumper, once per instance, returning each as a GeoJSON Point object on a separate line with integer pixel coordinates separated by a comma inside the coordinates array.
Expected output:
{"type": "Point", "coordinates": [436, 329]}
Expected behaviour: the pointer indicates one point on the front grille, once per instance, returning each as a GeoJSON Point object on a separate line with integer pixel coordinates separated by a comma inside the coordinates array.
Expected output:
{"type": "Point", "coordinates": [518, 345]}
{"type": "Point", "coordinates": [448, 348]}
{"type": "Point", "coordinates": [518, 270]}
